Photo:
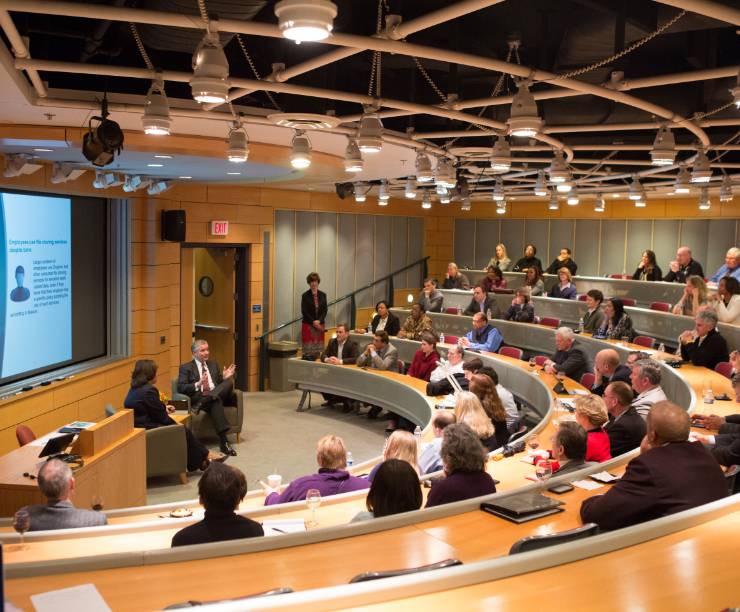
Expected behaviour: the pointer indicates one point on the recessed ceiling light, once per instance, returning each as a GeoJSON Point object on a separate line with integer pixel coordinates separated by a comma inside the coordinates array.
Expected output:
{"type": "Point", "coordinates": [39, 150]}
{"type": "Point", "coordinates": [163, 156]}
{"type": "Point", "coordinates": [234, 173]}
{"type": "Point", "coordinates": [155, 165]}
{"type": "Point", "coordinates": [184, 177]}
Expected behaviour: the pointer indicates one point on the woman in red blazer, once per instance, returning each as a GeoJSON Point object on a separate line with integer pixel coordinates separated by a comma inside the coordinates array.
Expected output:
{"type": "Point", "coordinates": [591, 414]}
{"type": "Point", "coordinates": [425, 359]}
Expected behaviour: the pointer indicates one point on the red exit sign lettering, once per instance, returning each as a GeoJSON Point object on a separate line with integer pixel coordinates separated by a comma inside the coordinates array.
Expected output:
{"type": "Point", "coordinates": [219, 228]}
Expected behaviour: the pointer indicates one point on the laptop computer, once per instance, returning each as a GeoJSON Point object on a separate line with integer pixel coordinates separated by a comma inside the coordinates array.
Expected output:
{"type": "Point", "coordinates": [57, 445]}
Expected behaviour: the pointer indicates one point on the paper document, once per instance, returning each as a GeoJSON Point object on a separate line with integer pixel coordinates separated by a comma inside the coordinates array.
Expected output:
{"type": "Point", "coordinates": [588, 485]}
{"type": "Point", "coordinates": [274, 527]}
{"type": "Point", "coordinates": [82, 598]}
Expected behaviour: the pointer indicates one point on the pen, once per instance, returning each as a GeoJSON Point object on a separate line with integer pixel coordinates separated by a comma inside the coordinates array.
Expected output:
{"type": "Point", "coordinates": [278, 530]}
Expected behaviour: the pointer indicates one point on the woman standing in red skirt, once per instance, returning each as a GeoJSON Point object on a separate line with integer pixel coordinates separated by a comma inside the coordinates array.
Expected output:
{"type": "Point", "coordinates": [313, 309]}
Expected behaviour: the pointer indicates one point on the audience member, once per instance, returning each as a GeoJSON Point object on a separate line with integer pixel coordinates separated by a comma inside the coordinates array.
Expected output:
{"type": "Point", "coordinates": [607, 369]}
{"type": "Point", "coordinates": [313, 310]}
{"type": "Point", "coordinates": [693, 298]}
{"type": "Point", "coordinates": [563, 260]}
{"type": "Point", "coordinates": [416, 323]}
{"type": "Point", "coordinates": [591, 414]}
{"type": "Point", "coordinates": [645, 379]}
{"type": "Point", "coordinates": [564, 289]}
{"type": "Point", "coordinates": [341, 350]}
{"type": "Point", "coordinates": [395, 489]}
{"type": "Point", "coordinates": [648, 269]}
{"type": "Point", "coordinates": [483, 336]}
{"type": "Point", "coordinates": [703, 345]}
{"type": "Point", "coordinates": [150, 413]}
{"type": "Point", "coordinates": [529, 260]}
{"type": "Point", "coordinates": [469, 410]}
{"type": "Point", "coordinates": [485, 390]}
{"type": "Point", "coordinates": [500, 260]}
{"type": "Point", "coordinates": [725, 445]}
{"type": "Point", "coordinates": [220, 490]}
{"type": "Point", "coordinates": [617, 323]}
{"type": "Point", "coordinates": [482, 303]}
{"type": "Point", "coordinates": [209, 389]}
{"type": "Point", "coordinates": [568, 357]}
{"type": "Point", "coordinates": [533, 281]}
{"type": "Point", "coordinates": [670, 475]}
{"type": "Point", "coordinates": [506, 397]}
{"type": "Point", "coordinates": [464, 460]}
{"type": "Point", "coordinates": [452, 366]}
{"type": "Point", "coordinates": [594, 317]}
{"type": "Point", "coordinates": [430, 459]}
{"type": "Point", "coordinates": [57, 484]}
{"type": "Point", "coordinates": [384, 320]}
{"type": "Point", "coordinates": [331, 479]}
{"type": "Point", "coordinates": [635, 356]}
{"type": "Point", "coordinates": [731, 266]}
{"type": "Point", "coordinates": [454, 279]}
{"type": "Point", "coordinates": [426, 358]}
{"type": "Point", "coordinates": [399, 445]}
{"type": "Point", "coordinates": [521, 309]}
{"type": "Point", "coordinates": [379, 355]}
{"type": "Point", "coordinates": [726, 302]}
{"type": "Point", "coordinates": [569, 445]}
{"type": "Point", "coordinates": [494, 279]}
{"type": "Point", "coordinates": [683, 267]}
{"type": "Point", "coordinates": [626, 427]}
{"type": "Point", "coordinates": [430, 298]}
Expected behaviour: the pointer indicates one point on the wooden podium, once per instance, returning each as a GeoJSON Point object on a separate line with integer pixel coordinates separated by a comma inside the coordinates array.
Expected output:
{"type": "Point", "coordinates": [114, 473]}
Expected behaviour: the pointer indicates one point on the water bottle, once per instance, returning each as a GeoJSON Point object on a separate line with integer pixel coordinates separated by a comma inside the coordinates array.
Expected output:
{"type": "Point", "coordinates": [441, 338]}
{"type": "Point", "coordinates": [488, 314]}
{"type": "Point", "coordinates": [370, 328]}
{"type": "Point", "coordinates": [580, 325]}
{"type": "Point", "coordinates": [417, 434]}
{"type": "Point", "coordinates": [350, 459]}
{"type": "Point", "coordinates": [459, 310]}
{"type": "Point", "coordinates": [661, 348]}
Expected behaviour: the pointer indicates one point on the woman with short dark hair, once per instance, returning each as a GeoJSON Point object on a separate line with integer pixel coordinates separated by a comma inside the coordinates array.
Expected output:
{"type": "Point", "coordinates": [617, 323]}
{"type": "Point", "coordinates": [426, 358]}
{"type": "Point", "coordinates": [395, 489]}
{"type": "Point", "coordinates": [313, 310]}
{"type": "Point", "coordinates": [726, 302]}
{"type": "Point", "coordinates": [494, 279]}
{"type": "Point", "coordinates": [384, 320]}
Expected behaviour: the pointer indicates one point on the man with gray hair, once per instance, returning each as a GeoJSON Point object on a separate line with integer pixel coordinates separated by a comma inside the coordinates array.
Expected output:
{"type": "Point", "coordinates": [645, 379]}
{"type": "Point", "coordinates": [703, 345]}
{"type": "Point", "coordinates": [568, 358]}
{"type": "Point", "coordinates": [731, 266]}
{"type": "Point", "coordinates": [57, 484]}
{"type": "Point", "coordinates": [683, 266]}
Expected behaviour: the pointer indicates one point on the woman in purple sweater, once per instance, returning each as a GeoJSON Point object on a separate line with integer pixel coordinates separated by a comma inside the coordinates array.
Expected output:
{"type": "Point", "coordinates": [464, 458]}
{"type": "Point", "coordinates": [331, 479]}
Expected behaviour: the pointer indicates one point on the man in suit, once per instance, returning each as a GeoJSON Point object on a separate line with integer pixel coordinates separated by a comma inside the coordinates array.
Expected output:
{"type": "Point", "coordinates": [608, 370]}
{"type": "Point", "coordinates": [725, 445]}
{"type": "Point", "coordinates": [670, 475]}
{"type": "Point", "coordinates": [341, 350]}
{"type": "Point", "coordinates": [438, 383]}
{"type": "Point", "coordinates": [431, 299]}
{"type": "Point", "coordinates": [57, 484]}
{"type": "Point", "coordinates": [380, 354]}
{"type": "Point", "coordinates": [482, 303]}
{"type": "Point", "coordinates": [569, 448]}
{"type": "Point", "coordinates": [209, 389]}
{"type": "Point", "coordinates": [626, 428]}
{"type": "Point", "coordinates": [704, 345]}
{"type": "Point", "coordinates": [683, 267]}
{"type": "Point", "coordinates": [568, 358]}
{"type": "Point", "coordinates": [645, 379]}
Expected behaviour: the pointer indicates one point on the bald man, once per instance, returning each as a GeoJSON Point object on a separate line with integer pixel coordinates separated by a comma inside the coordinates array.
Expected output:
{"type": "Point", "coordinates": [670, 475]}
{"type": "Point", "coordinates": [607, 369]}
{"type": "Point", "coordinates": [683, 266]}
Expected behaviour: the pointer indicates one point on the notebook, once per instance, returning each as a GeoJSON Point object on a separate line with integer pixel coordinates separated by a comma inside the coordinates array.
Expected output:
{"type": "Point", "coordinates": [524, 507]}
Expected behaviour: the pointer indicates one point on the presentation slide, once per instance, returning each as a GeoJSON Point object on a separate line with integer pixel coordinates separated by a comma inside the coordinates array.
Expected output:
{"type": "Point", "coordinates": [36, 317]}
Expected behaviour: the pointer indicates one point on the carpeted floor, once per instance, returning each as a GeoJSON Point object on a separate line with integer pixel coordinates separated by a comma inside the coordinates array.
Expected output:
{"type": "Point", "coordinates": [277, 439]}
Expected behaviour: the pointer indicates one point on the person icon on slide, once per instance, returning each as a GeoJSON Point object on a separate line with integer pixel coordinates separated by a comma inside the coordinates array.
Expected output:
{"type": "Point", "coordinates": [20, 293]}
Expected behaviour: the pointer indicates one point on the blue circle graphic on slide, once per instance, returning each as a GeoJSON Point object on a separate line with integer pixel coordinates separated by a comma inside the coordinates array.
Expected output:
{"type": "Point", "coordinates": [20, 293]}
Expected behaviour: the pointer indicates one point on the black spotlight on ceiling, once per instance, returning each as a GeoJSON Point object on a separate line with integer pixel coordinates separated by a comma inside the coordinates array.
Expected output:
{"type": "Point", "coordinates": [102, 142]}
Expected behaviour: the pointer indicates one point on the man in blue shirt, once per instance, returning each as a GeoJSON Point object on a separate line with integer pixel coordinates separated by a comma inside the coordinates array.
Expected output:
{"type": "Point", "coordinates": [731, 267]}
{"type": "Point", "coordinates": [483, 337]}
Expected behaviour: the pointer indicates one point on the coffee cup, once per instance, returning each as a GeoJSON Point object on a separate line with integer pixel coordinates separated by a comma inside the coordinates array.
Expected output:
{"type": "Point", "coordinates": [274, 480]}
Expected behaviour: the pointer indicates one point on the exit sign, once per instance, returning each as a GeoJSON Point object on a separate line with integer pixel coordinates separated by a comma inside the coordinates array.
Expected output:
{"type": "Point", "coordinates": [219, 228]}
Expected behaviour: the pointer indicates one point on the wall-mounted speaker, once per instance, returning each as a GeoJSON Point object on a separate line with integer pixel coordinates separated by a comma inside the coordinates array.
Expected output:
{"type": "Point", "coordinates": [344, 190]}
{"type": "Point", "coordinates": [173, 225]}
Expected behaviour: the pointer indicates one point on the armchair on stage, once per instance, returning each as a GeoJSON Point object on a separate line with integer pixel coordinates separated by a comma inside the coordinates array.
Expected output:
{"type": "Point", "coordinates": [166, 452]}
{"type": "Point", "coordinates": [201, 425]}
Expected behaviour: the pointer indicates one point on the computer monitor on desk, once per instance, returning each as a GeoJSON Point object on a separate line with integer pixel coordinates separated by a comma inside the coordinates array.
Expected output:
{"type": "Point", "coordinates": [55, 447]}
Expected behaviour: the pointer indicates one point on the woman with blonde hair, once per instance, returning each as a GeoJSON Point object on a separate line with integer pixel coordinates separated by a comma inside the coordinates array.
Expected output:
{"type": "Point", "coordinates": [469, 410]}
{"type": "Point", "coordinates": [564, 289]}
{"type": "Point", "coordinates": [591, 414]}
{"type": "Point", "coordinates": [694, 297]}
{"type": "Point", "coordinates": [484, 389]}
{"type": "Point", "coordinates": [402, 445]}
{"type": "Point", "coordinates": [500, 260]}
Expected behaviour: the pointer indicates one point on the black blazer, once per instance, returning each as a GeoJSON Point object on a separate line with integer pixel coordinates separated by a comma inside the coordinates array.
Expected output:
{"type": "Point", "coordinates": [488, 304]}
{"type": "Point", "coordinates": [217, 528]}
{"type": "Point", "coordinates": [149, 411]}
{"type": "Point", "coordinates": [626, 432]}
{"type": "Point", "coordinates": [622, 373]}
{"type": "Point", "coordinates": [557, 264]}
{"type": "Point", "coordinates": [443, 387]}
{"type": "Point", "coordinates": [656, 274]}
{"type": "Point", "coordinates": [573, 362]}
{"type": "Point", "coordinates": [709, 354]}
{"type": "Point", "coordinates": [308, 309]}
{"type": "Point", "coordinates": [526, 262]}
{"type": "Point", "coordinates": [189, 374]}
{"type": "Point", "coordinates": [392, 325]}
{"type": "Point", "coordinates": [350, 352]}
{"type": "Point", "coordinates": [693, 268]}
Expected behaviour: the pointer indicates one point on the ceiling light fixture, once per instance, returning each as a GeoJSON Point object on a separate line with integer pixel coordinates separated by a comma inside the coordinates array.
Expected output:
{"type": "Point", "coordinates": [663, 152]}
{"type": "Point", "coordinates": [558, 169]}
{"type": "Point", "coordinates": [16, 165]}
{"type": "Point", "coordinates": [156, 119]}
{"type": "Point", "coordinates": [238, 151]}
{"type": "Point", "coordinates": [209, 83]}
{"type": "Point", "coordinates": [306, 20]}
{"type": "Point", "coordinates": [524, 120]}
{"type": "Point", "coordinates": [410, 191]}
{"type": "Point", "coordinates": [725, 190]}
{"type": "Point", "coordinates": [158, 187]}
{"type": "Point", "coordinates": [573, 198]}
{"type": "Point", "coordinates": [600, 205]}
{"type": "Point", "coordinates": [444, 175]}
{"type": "Point", "coordinates": [103, 180]}
{"type": "Point", "coordinates": [155, 165]}
{"type": "Point", "coordinates": [564, 187]}
{"type": "Point", "coordinates": [383, 195]}
{"type": "Point", "coordinates": [360, 191]}
{"type": "Point", "coordinates": [704, 202]}
{"type": "Point", "coordinates": [735, 91]}
{"type": "Point", "coordinates": [465, 205]}
{"type": "Point", "coordinates": [636, 190]}
{"type": "Point", "coordinates": [702, 170]}
{"type": "Point", "coordinates": [445, 198]}
{"type": "Point", "coordinates": [424, 172]}
{"type": "Point", "coordinates": [370, 136]}
{"type": "Point", "coordinates": [501, 207]}
{"type": "Point", "coordinates": [352, 157]}
{"type": "Point", "coordinates": [540, 187]}
{"type": "Point", "coordinates": [62, 172]}
{"type": "Point", "coordinates": [135, 182]}
{"type": "Point", "coordinates": [101, 143]}
{"type": "Point", "coordinates": [683, 179]}
{"type": "Point", "coordinates": [300, 156]}
{"type": "Point", "coordinates": [501, 155]}
{"type": "Point", "coordinates": [426, 201]}
{"type": "Point", "coordinates": [498, 191]}
{"type": "Point", "coordinates": [553, 204]}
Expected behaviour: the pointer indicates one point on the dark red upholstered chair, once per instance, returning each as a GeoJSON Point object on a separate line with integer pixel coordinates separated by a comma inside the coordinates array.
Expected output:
{"type": "Point", "coordinates": [451, 339]}
{"type": "Point", "coordinates": [646, 341]}
{"type": "Point", "coordinates": [628, 301]}
{"type": "Point", "coordinates": [540, 359]}
{"type": "Point", "coordinates": [451, 310]}
{"type": "Point", "coordinates": [24, 435]}
{"type": "Point", "coordinates": [550, 322]}
{"type": "Point", "coordinates": [588, 379]}
{"type": "Point", "coordinates": [511, 351]}
{"type": "Point", "coordinates": [660, 306]}
{"type": "Point", "coordinates": [724, 368]}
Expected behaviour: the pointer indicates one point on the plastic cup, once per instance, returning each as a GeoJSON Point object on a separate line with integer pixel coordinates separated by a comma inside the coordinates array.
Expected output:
{"type": "Point", "coordinates": [274, 480]}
